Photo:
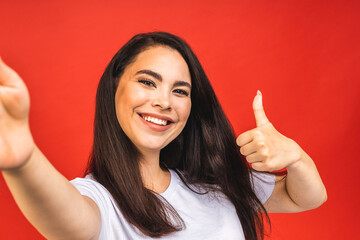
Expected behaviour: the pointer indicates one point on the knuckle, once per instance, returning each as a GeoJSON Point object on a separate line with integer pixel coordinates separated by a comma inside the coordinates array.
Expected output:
{"type": "Point", "coordinates": [261, 145]}
{"type": "Point", "coordinates": [257, 133]}
{"type": "Point", "coordinates": [264, 153]}
{"type": "Point", "coordinates": [242, 151]}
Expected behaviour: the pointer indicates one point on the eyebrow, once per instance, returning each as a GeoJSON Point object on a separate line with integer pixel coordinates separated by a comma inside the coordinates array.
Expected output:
{"type": "Point", "coordinates": [151, 73]}
{"type": "Point", "coordinates": [158, 77]}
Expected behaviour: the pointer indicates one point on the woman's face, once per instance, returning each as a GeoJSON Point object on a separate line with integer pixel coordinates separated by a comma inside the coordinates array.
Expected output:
{"type": "Point", "coordinates": [153, 98]}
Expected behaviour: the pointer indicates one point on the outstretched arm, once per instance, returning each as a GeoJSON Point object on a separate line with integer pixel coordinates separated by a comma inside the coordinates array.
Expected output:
{"type": "Point", "coordinates": [268, 150]}
{"type": "Point", "coordinates": [45, 197]}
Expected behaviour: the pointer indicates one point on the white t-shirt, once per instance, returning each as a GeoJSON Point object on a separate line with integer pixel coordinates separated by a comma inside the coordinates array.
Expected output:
{"type": "Point", "coordinates": [208, 216]}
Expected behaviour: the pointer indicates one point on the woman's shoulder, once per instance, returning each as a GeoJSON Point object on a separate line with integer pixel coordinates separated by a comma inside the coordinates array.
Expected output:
{"type": "Point", "coordinates": [112, 221]}
{"type": "Point", "coordinates": [90, 187]}
{"type": "Point", "coordinates": [89, 181]}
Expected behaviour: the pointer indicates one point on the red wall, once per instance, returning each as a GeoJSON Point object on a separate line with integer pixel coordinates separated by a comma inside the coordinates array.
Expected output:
{"type": "Point", "coordinates": [303, 55]}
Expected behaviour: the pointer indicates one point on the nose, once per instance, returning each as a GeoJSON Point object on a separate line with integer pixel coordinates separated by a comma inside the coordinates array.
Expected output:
{"type": "Point", "coordinates": [161, 100]}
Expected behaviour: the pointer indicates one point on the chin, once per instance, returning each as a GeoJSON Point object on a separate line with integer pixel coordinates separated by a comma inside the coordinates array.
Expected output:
{"type": "Point", "coordinates": [151, 146]}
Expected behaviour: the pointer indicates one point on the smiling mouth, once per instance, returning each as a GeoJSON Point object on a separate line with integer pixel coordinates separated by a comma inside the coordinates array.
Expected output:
{"type": "Point", "coordinates": [157, 121]}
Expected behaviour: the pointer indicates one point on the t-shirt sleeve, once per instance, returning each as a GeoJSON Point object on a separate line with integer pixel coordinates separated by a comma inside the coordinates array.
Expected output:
{"type": "Point", "coordinates": [99, 194]}
{"type": "Point", "coordinates": [263, 185]}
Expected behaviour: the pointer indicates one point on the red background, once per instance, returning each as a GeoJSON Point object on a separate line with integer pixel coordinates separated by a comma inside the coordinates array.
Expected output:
{"type": "Point", "coordinates": [302, 55]}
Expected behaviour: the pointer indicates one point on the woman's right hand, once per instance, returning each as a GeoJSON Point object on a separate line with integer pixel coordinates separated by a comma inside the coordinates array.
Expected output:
{"type": "Point", "coordinates": [16, 142]}
{"type": "Point", "coordinates": [46, 198]}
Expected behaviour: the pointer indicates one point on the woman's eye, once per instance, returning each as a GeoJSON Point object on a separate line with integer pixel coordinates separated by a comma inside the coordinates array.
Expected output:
{"type": "Point", "coordinates": [181, 92]}
{"type": "Point", "coordinates": [147, 82]}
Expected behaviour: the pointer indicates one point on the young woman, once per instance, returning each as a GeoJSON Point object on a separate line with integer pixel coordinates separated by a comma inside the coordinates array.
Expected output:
{"type": "Point", "coordinates": [165, 162]}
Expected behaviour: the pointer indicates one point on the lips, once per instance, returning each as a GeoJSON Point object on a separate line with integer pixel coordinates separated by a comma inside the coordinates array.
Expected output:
{"type": "Point", "coordinates": [156, 119]}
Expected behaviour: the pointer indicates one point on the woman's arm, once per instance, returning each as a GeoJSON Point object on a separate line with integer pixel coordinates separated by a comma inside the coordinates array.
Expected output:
{"type": "Point", "coordinates": [46, 198]}
{"type": "Point", "coordinates": [301, 190]}
{"type": "Point", "coordinates": [268, 150]}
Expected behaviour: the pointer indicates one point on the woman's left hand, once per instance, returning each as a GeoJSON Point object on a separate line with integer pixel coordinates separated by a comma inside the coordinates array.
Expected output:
{"type": "Point", "coordinates": [268, 150]}
{"type": "Point", "coordinates": [264, 147]}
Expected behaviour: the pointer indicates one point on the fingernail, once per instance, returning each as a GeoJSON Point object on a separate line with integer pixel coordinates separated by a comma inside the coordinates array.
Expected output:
{"type": "Point", "coordinates": [259, 93]}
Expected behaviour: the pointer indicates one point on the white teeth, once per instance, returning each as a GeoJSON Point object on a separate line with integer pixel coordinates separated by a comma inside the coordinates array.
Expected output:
{"type": "Point", "coordinates": [155, 120]}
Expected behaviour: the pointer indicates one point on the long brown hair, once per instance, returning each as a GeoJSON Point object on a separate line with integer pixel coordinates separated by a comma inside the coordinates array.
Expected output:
{"type": "Point", "coordinates": [205, 152]}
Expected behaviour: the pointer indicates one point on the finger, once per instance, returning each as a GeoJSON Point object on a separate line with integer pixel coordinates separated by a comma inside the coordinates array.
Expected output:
{"type": "Point", "coordinates": [259, 166]}
{"type": "Point", "coordinates": [264, 166]}
{"type": "Point", "coordinates": [258, 108]}
{"type": "Point", "coordinates": [254, 157]}
{"type": "Point", "coordinates": [244, 138]}
{"type": "Point", "coordinates": [249, 148]}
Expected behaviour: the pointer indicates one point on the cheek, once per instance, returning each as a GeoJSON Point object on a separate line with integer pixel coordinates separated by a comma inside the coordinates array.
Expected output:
{"type": "Point", "coordinates": [130, 98]}
{"type": "Point", "coordinates": [124, 106]}
{"type": "Point", "coordinates": [184, 110]}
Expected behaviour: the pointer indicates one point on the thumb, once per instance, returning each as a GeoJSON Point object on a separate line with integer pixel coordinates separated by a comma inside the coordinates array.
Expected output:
{"type": "Point", "coordinates": [258, 108]}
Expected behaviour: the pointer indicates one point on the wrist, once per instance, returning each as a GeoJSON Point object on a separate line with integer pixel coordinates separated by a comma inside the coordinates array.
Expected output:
{"type": "Point", "coordinates": [25, 163]}
{"type": "Point", "coordinates": [299, 159]}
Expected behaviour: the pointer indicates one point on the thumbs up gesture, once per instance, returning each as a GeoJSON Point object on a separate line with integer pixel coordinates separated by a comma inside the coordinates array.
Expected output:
{"type": "Point", "coordinates": [264, 147]}
{"type": "Point", "coordinates": [16, 143]}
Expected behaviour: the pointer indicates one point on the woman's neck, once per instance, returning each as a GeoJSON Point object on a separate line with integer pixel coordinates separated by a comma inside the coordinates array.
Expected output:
{"type": "Point", "coordinates": [154, 178]}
